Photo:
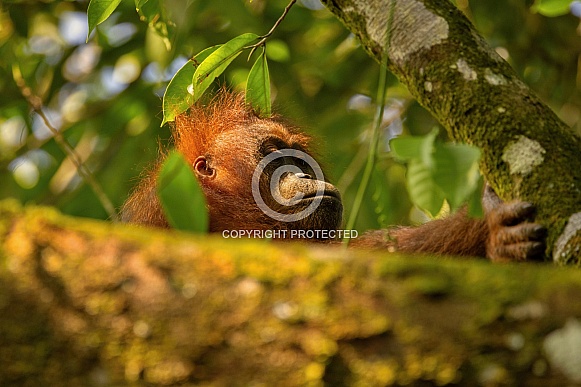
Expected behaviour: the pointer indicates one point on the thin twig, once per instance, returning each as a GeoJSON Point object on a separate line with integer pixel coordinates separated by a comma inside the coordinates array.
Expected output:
{"type": "Point", "coordinates": [36, 104]}
{"type": "Point", "coordinates": [264, 37]}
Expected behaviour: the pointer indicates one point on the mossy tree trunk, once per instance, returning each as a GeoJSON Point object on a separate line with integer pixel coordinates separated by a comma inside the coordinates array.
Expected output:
{"type": "Point", "coordinates": [89, 303]}
{"type": "Point", "coordinates": [527, 152]}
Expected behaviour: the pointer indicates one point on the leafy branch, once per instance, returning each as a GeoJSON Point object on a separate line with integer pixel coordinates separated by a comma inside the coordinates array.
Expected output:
{"type": "Point", "coordinates": [195, 77]}
{"type": "Point", "coordinates": [263, 38]}
{"type": "Point", "coordinates": [36, 104]}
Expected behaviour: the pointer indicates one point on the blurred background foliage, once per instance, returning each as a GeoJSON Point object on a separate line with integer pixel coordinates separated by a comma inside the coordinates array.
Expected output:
{"type": "Point", "coordinates": [105, 95]}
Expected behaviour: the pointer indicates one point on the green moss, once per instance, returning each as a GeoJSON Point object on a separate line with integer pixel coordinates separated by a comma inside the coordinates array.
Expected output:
{"type": "Point", "coordinates": [433, 284]}
{"type": "Point", "coordinates": [491, 108]}
{"type": "Point", "coordinates": [82, 299]}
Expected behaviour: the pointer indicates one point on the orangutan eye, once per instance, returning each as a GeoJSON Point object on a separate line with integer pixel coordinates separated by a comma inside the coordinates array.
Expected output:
{"type": "Point", "coordinates": [272, 145]}
{"type": "Point", "coordinates": [269, 149]}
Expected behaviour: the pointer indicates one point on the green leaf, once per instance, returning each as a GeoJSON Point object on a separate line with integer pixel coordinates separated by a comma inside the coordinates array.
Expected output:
{"type": "Point", "coordinates": [202, 55]}
{"type": "Point", "coordinates": [99, 11]}
{"type": "Point", "coordinates": [181, 196]}
{"type": "Point", "coordinates": [258, 87]}
{"type": "Point", "coordinates": [178, 96]}
{"type": "Point", "coordinates": [418, 148]}
{"type": "Point", "coordinates": [456, 171]}
{"type": "Point", "coordinates": [153, 12]}
{"type": "Point", "coordinates": [216, 63]}
{"type": "Point", "coordinates": [475, 200]}
{"type": "Point", "coordinates": [439, 171]}
{"type": "Point", "coordinates": [424, 191]}
{"type": "Point", "coordinates": [551, 8]}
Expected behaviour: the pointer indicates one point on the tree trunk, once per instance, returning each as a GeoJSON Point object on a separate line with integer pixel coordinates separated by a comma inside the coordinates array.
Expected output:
{"type": "Point", "coordinates": [527, 152]}
{"type": "Point", "coordinates": [88, 303]}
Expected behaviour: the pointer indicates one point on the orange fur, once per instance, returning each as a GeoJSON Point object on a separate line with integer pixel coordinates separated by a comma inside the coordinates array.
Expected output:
{"type": "Point", "coordinates": [228, 136]}
{"type": "Point", "coordinates": [226, 131]}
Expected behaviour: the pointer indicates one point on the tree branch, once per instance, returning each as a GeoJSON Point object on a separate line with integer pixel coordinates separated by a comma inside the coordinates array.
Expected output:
{"type": "Point", "coordinates": [87, 303]}
{"type": "Point", "coordinates": [36, 104]}
{"type": "Point", "coordinates": [527, 152]}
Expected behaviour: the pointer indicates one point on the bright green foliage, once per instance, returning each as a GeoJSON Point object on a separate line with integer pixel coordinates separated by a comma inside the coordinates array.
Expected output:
{"type": "Point", "coordinates": [423, 188]}
{"type": "Point", "coordinates": [551, 7]}
{"type": "Point", "coordinates": [178, 96]}
{"type": "Point", "coordinates": [153, 12]}
{"type": "Point", "coordinates": [316, 67]}
{"type": "Point", "coordinates": [99, 11]}
{"type": "Point", "coordinates": [456, 171]}
{"type": "Point", "coordinates": [181, 196]}
{"type": "Point", "coordinates": [439, 172]}
{"type": "Point", "coordinates": [415, 148]}
{"type": "Point", "coordinates": [216, 63]}
{"type": "Point", "coordinates": [475, 201]}
{"type": "Point", "coordinates": [150, 11]}
{"type": "Point", "coordinates": [258, 87]}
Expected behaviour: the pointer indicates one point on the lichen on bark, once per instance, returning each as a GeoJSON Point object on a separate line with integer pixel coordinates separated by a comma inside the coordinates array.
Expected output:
{"type": "Point", "coordinates": [480, 100]}
{"type": "Point", "coordinates": [90, 303]}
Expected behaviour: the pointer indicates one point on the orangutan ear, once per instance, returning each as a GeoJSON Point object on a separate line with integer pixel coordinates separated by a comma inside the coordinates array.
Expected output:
{"type": "Point", "coordinates": [202, 168]}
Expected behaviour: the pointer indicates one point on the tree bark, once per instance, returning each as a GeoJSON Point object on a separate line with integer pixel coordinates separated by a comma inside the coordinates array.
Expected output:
{"type": "Point", "coordinates": [527, 152]}
{"type": "Point", "coordinates": [88, 303]}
